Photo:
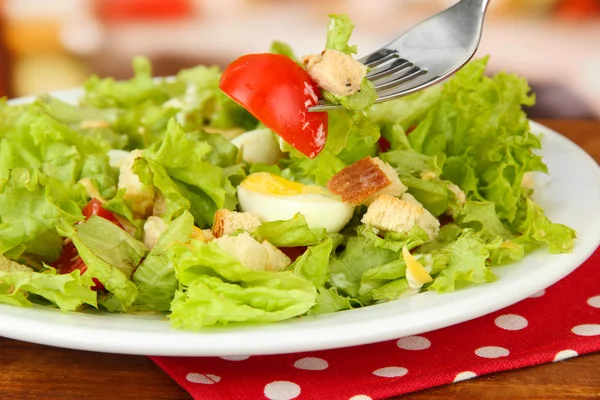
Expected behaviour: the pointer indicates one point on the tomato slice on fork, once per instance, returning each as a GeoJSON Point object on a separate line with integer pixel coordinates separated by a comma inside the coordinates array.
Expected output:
{"type": "Point", "coordinates": [278, 92]}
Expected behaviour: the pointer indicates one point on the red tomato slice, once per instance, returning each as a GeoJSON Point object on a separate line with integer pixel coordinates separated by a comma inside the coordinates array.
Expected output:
{"type": "Point", "coordinates": [293, 252]}
{"type": "Point", "coordinates": [384, 144]}
{"type": "Point", "coordinates": [278, 92]}
{"type": "Point", "coordinates": [94, 207]}
{"type": "Point", "coordinates": [70, 260]}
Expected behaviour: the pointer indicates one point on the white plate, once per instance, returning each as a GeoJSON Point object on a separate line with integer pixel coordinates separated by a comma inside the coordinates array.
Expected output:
{"type": "Point", "coordinates": [569, 195]}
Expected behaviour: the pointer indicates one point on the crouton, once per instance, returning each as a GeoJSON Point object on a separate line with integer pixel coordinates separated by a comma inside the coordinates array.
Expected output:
{"type": "Point", "coordinates": [335, 71]}
{"type": "Point", "coordinates": [277, 260]}
{"type": "Point", "coordinates": [252, 254]}
{"type": "Point", "coordinates": [138, 196]}
{"type": "Point", "coordinates": [460, 195]}
{"type": "Point", "coordinates": [227, 222]}
{"type": "Point", "coordinates": [390, 213]}
{"type": "Point", "coordinates": [154, 227]}
{"type": "Point", "coordinates": [8, 265]}
{"type": "Point", "coordinates": [365, 180]}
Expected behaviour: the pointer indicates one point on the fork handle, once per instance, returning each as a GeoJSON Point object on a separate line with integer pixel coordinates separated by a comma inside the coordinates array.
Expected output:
{"type": "Point", "coordinates": [483, 4]}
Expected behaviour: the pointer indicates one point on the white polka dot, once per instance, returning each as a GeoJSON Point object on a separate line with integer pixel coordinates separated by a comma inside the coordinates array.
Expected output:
{"type": "Point", "coordinates": [511, 322]}
{"type": "Point", "coordinates": [538, 294]}
{"type": "Point", "coordinates": [463, 376]}
{"type": "Point", "coordinates": [311, 364]}
{"type": "Point", "coordinates": [235, 358]}
{"type": "Point", "coordinates": [564, 354]}
{"type": "Point", "coordinates": [390, 372]}
{"type": "Point", "coordinates": [413, 343]}
{"type": "Point", "coordinates": [492, 352]}
{"type": "Point", "coordinates": [594, 301]}
{"type": "Point", "coordinates": [282, 390]}
{"type": "Point", "coordinates": [360, 397]}
{"type": "Point", "coordinates": [206, 379]}
{"type": "Point", "coordinates": [587, 330]}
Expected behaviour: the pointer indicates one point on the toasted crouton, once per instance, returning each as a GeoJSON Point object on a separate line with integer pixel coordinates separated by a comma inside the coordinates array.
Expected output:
{"type": "Point", "coordinates": [227, 222]}
{"type": "Point", "coordinates": [154, 227]}
{"type": "Point", "coordinates": [252, 254]}
{"type": "Point", "coordinates": [390, 213]}
{"type": "Point", "coordinates": [277, 260]}
{"type": "Point", "coordinates": [460, 195]}
{"type": "Point", "coordinates": [8, 265]}
{"type": "Point", "coordinates": [365, 180]}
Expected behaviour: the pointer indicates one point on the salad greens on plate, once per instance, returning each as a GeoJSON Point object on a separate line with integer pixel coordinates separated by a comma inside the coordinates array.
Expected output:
{"type": "Point", "coordinates": [113, 202]}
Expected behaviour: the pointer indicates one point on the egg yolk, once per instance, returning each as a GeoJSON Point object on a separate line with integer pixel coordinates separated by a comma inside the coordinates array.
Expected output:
{"type": "Point", "coordinates": [266, 183]}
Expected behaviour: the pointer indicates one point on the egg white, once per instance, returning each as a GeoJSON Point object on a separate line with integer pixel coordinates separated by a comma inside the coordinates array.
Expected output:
{"type": "Point", "coordinates": [320, 211]}
{"type": "Point", "coordinates": [258, 146]}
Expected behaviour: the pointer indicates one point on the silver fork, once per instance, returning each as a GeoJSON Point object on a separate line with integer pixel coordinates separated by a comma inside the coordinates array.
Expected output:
{"type": "Point", "coordinates": [426, 54]}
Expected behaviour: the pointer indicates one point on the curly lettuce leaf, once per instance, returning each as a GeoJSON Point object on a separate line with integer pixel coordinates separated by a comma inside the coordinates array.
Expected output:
{"type": "Point", "coordinates": [218, 289]}
{"type": "Point", "coordinates": [68, 292]}
{"type": "Point", "coordinates": [290, 233]}
{"type": "Point", "coordinates": [350, 138]}
{"type": "Point", "coordinates": [179, 167]}
{"type": "Point", "coordinates": [98, 260]}
{"type": "Point", "coordinates": [360, 101]}
{"type": "Point", "coordinates": [112, 244]}
{"type": "Point", "coordinates": [284, 49]}
{"type": "Point", "coordinates": [339, 31]}
{"type": "Point", "coordinates": [31, 205]}
{"type": "Point", "coordinates": [535, 228]}
{"type": "Point", "coordinates": [155, 277]}
{"type": "Point", "coordinates": [480, 121]}
{"type": "Point", "coordinates": [360, 254]}
{"type": "Point", "coordinates": [465, 262]}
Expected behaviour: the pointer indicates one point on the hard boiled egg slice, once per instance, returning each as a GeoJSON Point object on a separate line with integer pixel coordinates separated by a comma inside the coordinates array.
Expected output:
{"type": "Point", "coordinates": [258, 146]}
{"type": "Point", "coordinates": [273, 198]}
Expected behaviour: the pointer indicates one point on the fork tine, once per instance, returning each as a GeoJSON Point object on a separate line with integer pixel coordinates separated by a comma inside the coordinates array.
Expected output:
{"type": "Point", "coordinates": [389, 69]}
{"type": "Point", "coordinates": [379, 57]}
{"type": "Point", "coordinates": [394, 81]}
{"type": "Point", "coordinates": [405, 89]}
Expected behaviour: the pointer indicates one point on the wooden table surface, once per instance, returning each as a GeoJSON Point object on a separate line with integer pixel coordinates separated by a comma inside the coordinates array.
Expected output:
{"type": "Point", "coordinates": [31, 371]}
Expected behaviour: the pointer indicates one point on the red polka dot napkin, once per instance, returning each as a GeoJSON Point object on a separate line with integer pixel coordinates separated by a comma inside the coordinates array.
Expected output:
{"type": "Point", "coordinates": [557, 323]}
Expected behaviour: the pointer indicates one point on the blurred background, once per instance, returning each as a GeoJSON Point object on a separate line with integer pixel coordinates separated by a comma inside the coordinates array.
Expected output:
{"type": "Point", "coordinates": [54, 44]}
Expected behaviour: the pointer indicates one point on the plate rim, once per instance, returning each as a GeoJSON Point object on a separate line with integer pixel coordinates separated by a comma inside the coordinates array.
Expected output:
{"type": "Point", "coordinates": [16, 322]}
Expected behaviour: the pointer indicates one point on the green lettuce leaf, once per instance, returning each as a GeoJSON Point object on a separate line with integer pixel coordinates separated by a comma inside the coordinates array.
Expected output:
{"type": "Point", "coordinates": [478, 122]}
{"type": "Point", "coordinates": [291, 233]}
{"type": "Point", "coordinates": [360, 101]}
{"type": "Point", "coordinates": [329, 300]}
{"type": "Point", "coordinates": [339, 31]}
{"type": "Point", "coordinates": [317, 170]}
{"type": "Point", "coordinates": [31, 205]}
{"type": "Point", "coordinates": [465, 261]}
{"type": "Point", "coordinates": [390, 291]}
{"type": "Point", "coordinates": [112, 244]}
{"type": "Point", "coordinates": [482, 217]}
{"type": "Point", "coordinates": [155, 277]}
{"type": "Point", "coordinates": [313, 265]}
{"type": "Point", "coordinates": [219, 290]}
{"type": "Point", "coordinates": [68, 292]}
{"type": "Point", "coordinates": [284, 49]}
{"type": "Point", "coordinates": [406, 112]}
{"type": "Point", "coordinates": [179, 167]}
{"type": "Point", "coordinates": [360, 254]}
{"type": "Point", "coordinates": [535, 228]}
{"type": "Point", "coordinates": [123, 290]}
